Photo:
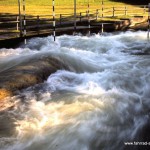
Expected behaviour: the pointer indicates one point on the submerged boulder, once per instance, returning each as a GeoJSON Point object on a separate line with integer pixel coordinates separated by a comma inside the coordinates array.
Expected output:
{"type": "Point", "coordinates": [30, 71]}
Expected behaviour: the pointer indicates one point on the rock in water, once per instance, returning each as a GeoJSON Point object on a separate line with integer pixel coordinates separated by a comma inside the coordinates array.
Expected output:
{"type": "Point", "coordinates": [30, 71]}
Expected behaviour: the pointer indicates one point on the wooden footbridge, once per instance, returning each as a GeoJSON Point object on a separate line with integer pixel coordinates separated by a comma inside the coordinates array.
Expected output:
{"type": "Point", "coordinates": [21, 26]}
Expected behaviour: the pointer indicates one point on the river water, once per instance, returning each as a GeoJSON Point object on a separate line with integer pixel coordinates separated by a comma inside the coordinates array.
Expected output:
{"type": "Point", "coordinates": [103, 102]}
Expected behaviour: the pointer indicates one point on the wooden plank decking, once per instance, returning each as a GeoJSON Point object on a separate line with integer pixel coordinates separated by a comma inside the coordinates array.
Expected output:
{"type": "Point", "coordinates": [12, 29]}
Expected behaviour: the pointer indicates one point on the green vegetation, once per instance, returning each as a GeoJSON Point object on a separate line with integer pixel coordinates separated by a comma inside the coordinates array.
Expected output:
{"type": "Point", "coordinates": [38, 7]}
{"type": "Point", "coordinates": [57, 2]}
{"type": "Point", "coordinates": [70, 2]}
{"type": "Point", "coordinates": [44, 7]}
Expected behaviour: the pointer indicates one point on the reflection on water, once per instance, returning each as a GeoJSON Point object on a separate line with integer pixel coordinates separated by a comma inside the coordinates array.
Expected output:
{"type": "Point", "coordinates": [103, 103]}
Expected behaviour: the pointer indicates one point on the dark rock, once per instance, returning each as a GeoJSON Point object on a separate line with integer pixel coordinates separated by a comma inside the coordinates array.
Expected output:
{"type": "Point", "coordinates": [28, 72]}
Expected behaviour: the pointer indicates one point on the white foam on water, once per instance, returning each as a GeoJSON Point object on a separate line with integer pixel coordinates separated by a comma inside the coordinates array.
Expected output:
{"type": "Point", "coordinates": [101, 105]}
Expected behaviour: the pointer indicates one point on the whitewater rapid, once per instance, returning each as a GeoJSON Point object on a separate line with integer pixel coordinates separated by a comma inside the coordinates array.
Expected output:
{"type": "Point", "coordinates": [103, 102]}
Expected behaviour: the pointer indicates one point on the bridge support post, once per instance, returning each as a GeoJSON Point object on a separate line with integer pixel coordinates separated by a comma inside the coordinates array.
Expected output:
{"type": "Point", "coordinates": [89, 24]}
{"type": "Point", "coordinates": [24, 22]}
{"type": "Point", "coordinates": [102, 30]}
{"type": "Point", "coordinates": [102, 8]}
{"type": "Point", "coordinates": [54, 23]}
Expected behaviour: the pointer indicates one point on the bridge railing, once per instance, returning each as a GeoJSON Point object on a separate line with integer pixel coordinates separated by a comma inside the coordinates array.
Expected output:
{"type": "Point", "coordinates": [10, 25]}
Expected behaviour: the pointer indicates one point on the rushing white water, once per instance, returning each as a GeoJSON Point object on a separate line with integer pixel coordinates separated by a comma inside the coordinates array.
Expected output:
{"type": "Point", "coordinates": [103, 103]}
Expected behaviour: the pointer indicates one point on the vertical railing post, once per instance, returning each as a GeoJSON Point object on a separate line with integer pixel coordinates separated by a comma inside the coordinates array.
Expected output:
{"type": "Point", "coordinates": [20, 19]}
{"type": "Point", "coordinates": [54, 23]}
{"type": "Point", "coordinates": [148, 36]}
{"type": "Point", "coordinates": [102, 8]}
{"type": "Point", "coordinates": [113, 15]}
{"type": "Point", "coordinates": [80, 16]}
{"type": "Point", "coordinates": [97, 13]}
{"type": "Point", "coordinates": [102, 30]}
{"type": "Point", "coordinates": [75, 17]}
{"type": "Point", "coordinates": [17, 27]}
{"type": "Point", "coordinates": [60, 19]}
{"type": "Point", "coordinates": [86, 13]}
{"type": "Point", "coordinates": [125, 13]}
{"type": "Point", "coordinates": [144, 9]}
{"type": "Point", "coordinates": [38, 21]}
{"type": "Point", "coordinates": [24, 21]}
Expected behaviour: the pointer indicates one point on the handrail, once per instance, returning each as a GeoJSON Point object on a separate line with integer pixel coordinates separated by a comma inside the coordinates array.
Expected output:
{"type": "Point", "coordinates": [39, 22]}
